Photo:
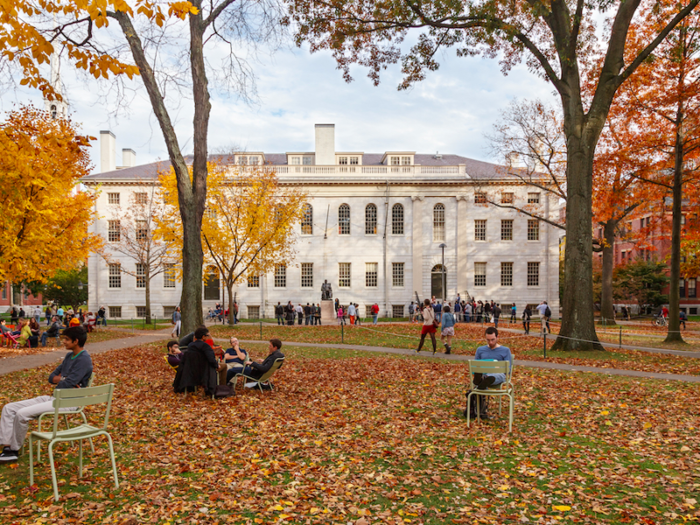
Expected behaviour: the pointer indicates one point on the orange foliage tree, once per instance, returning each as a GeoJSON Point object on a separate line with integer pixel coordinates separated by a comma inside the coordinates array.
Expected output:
{"type": "Point", "coordinates": [44, 220]}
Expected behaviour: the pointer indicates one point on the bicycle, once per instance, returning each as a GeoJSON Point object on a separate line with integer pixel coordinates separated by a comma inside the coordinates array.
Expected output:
{"type": "Point", "coordinates": [660, 321]}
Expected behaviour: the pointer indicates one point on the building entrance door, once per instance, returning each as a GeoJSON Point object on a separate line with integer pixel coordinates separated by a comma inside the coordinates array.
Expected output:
{"type": "Point", "coordinates": [436, 284]}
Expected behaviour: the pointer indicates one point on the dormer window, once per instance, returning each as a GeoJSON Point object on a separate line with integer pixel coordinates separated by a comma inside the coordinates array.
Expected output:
{"type": "Point", "coordinates": [296, 161]}
{"type": "Point", "coordinates": [395, 161]}
{"type": "Point", "coordinates": [253, 161]}
{"type": "Point", "coordinates": [308, 161]}
{"type": "Point", "coordinates": [343, 161]}
{"type": "Point", "coordinates": [354, 161]}
{"type": "Point", "coordinates": [405, 161]}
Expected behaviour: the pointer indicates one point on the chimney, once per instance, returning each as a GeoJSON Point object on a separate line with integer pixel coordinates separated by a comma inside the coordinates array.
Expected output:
{"type": "Point", "coordinates": [325, 144]}
{"type": "Point", "coordinates": [128, 158]}
{"type": "Point", "coordinates": [108, 151]}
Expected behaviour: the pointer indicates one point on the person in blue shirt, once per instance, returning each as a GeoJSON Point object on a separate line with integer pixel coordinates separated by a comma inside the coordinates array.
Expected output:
{"type": "Point", "coordinates": [437, 308]}
{"type": "Point", "coordinates": [492, 351]}
{"type": "Point", "coordinates": [448, 328]}
{"type": "Point", "coordinates": [513, 312]}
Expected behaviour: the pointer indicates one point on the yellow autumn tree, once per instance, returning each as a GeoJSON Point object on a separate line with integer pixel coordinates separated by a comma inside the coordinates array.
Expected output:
{"type": "Point", "coordinates": [44, 220]}
{"type": "Point", "coordinates": [248, 224]}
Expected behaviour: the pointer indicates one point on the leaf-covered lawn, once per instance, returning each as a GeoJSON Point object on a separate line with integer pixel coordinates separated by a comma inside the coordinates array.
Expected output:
{"type": "Point", "coordinates": [358, 438]}
{"type": "Point", "coordinates": [51, 345]}
{"type": "Point", "coordinates": [468, 338]}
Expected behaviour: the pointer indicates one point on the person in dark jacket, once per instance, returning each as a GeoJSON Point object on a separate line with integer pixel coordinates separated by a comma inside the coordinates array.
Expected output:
{"type": "Point", "coordinates": [174, 354]}
{"type": "Point", "coordinates": [257, 370]}
{"type": "Point", "coordinates": [198, 365]}
{"type": "Point", "coordinates": [290, 313]}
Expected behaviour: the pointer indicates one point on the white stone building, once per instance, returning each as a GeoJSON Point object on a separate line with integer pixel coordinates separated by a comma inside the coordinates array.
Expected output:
{"type": "Point", "coordinates": [374, 230]}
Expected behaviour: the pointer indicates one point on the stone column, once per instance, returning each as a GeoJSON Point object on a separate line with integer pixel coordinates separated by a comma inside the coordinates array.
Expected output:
{"type": "Point", "coordinates": [417, 239]}
{"type": "Point", "coordinates": [461, 246]}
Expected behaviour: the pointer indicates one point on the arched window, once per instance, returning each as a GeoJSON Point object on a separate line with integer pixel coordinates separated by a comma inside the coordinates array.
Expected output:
{"type": "Point", "coordinates": [439, 223]}
{"type": "Point", "coordinates": [371, 220]}
{"type": "Point", "coordinates": [397, 219]}
{"type": "Point", "coordinates": [344, 219]}
{"type": "Point", "coordinates": [438, 281]}
{"type": "Point", "coordinates": [307, 220]}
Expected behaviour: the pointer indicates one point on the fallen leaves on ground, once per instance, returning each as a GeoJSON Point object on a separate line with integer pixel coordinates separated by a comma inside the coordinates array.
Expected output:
{"type": "Point", "coordinates": [372, 439]}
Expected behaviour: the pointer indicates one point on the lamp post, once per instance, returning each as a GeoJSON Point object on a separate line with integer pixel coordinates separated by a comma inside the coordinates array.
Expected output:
{"type": "Point", "coordinates": [444, 292]}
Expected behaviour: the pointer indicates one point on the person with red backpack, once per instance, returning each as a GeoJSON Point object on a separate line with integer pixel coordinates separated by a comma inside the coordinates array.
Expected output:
{"type": "Point", "coordinates": [375, 313]}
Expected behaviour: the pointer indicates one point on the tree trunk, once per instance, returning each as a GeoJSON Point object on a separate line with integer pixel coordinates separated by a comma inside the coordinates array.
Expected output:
{"type": "Point", "coordinates": [607, 311]}
{"type": "Point", "coordinates": [674, 325]}
{"type": "Point", "coordinates": [578, 326]}
{"type": "Point", "coordinates": [191, 194]}
{"type": "Point", "coordinates": [229, 289]}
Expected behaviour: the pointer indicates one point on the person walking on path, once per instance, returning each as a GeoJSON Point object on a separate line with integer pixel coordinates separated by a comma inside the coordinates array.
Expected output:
{"type": "Point", "coordinates": [101, 314]}
{"type": "Point", "coordinates": [411, 312]}
{"type": "Point", "coordinates": [543, 310]}
{"type": "Point", "coordinates": [527, 314]}
{"type": "Point", "coordinates": [468, 313]}
{"type": "Point", "coordinates": [496, 314]}
{"type": "Point", "coordinates": [448, 329]}
{"type": "Point", "coordinates": [358, 317]}
{"type": "Point", "coordinates": [513, 314]}
{"type": "Point", "coordinates": [341, 315]}
{"type": "Point", "coordinates": [279, 313]}
{"type": "Point", "coordinates": [429, 326]}
{"type": "Point", "coordinates": [351, 314]}
{"type": "Point", "coordinates": [375, 313]}
{"type": "Point", "coordinates": [177, 322]}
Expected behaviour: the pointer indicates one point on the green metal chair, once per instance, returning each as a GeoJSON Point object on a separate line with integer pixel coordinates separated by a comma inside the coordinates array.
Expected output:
{"type": "Point", "coordinates": [75, 397]}
{"type": "Point", "coordinates": [265, 378]}
{"type": "Point", "coordinates": [65, 419]}
{"type": "Point", "coordinates": [505, 389]}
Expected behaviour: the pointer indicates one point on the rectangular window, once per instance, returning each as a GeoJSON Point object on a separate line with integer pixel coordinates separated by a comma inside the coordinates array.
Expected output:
{"type": "Point", "coordinates": [140, 311]}
{"type": "Point", "coordinates": [280, 276]}
{"type": "Point", "coordinates": [4, 291]}
{"type": "Point", "coordinates": [395, 161]}
{"type": "Point", "coordinates": [649, 220]}
{"type": "Point", "coordinates": [141, 230]}
{"type": "Point", "coordinates": [115, 312]}
{"type": "Point", "coordinates": [533, 198]}
{"type": "Point", "coordinates": [344, 275]}
{"type": "Point", "coordinates": [253, 161]}
{"type": "Point", "coordinates": [405, 161]}
{"type": "Point", "coordinates": [169, 276]}
{"type": "Point", "coordinates": [691, 288]}
{"type": "Point", "coordinates": [397, 311]}
{"type": "Point", "coordinates": [168, 311]}
{"type": "Point", "coordinates": [354, 161]}
{"type": "Point", "coordinates": [113, 198]}
{"type": "Point", "coordinates": [308, 161]}
{"type": "Point", "coordinates": [533, 274]}
{"type": "Point", "coordinates": [397, 275]}
{"type": "Point", "coordinates": [307, 275]}
{"type": "Point", "coordinates": [114, 231]}
{"type": "Point", "coordinates": [253, 312]}
{"type": "Point", "coordinates": [479, 198]}
{"type": "Point", "coordinates": [253, 281]}
{"type": "Point", "coordinates": [479, 274]}
{"type": "Point", "coordinates": [371, 273]}
{"type": "Point", "coordinates": [533, 230]}
{"type": "Point", "coordinates": [140, 275]}
{"type": "Point", "coordinates": [507, 229]}
{"type": "Point", "coordinates": [506, 274]}
{"type": "Point", "coordinates": [480, 230]}
{"type": "Point", "coordinates": [115, 275]}
{"type": "Point", "coordinates": [507, 198]}
{"type": "Point", "coordinates": [296, 161]}
{"type": "Point", "coordinates": [681, 287]}
{"type": "Point", "coordinates": [343, 161]}
{"type": "Point", "coordinates": [141, 198]}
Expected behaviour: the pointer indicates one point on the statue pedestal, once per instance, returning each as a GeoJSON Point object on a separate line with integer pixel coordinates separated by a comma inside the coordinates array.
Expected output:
{"type": "Point", "coordinates": [327, 312]}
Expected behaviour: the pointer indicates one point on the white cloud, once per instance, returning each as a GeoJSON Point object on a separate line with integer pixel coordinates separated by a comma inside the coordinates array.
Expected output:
{"type": "Point", "coordinates": [448, 112]}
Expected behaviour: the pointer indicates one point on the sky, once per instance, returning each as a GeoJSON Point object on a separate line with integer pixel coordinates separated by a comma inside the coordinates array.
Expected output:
{"type": "Point", "coordinates": [450, 112]}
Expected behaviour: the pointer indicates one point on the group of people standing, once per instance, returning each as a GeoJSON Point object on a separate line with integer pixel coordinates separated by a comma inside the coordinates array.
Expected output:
{"type": "Point", "coordinates": [309, 315]}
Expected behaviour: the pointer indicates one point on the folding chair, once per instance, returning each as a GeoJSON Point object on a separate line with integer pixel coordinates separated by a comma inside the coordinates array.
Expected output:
{"type": "Point", "coordinates": [65, 419]}
{"type": "Point", "coordinates": [499, 391]}
{"type": "Point", "coordinates": [75, 397]}
{"type": "Point", "coordinates": [171, 366]}
{"type": "Point", "coordinates": [265, 378]}
{"type": "Point", "coordinates": [12, 340]}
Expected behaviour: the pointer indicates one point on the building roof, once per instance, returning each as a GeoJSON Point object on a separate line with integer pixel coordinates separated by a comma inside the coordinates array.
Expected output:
{"type": "Point", "coordinates": [475, 169]}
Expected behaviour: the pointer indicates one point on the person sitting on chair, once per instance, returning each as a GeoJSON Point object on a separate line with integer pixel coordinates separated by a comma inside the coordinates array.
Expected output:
{"type": "Point", "coordinates": [235, 358]}
{"type": "Point", "coordinates": [257, 370]}
{"type": "Point", "coordinates": [174, 354]}
{"type": "Point", "coordinates": [73, 372]}
{"type": "Point", "coordinates": [198, 365]}
{"type": "Point", "coordinates": [493, 351]}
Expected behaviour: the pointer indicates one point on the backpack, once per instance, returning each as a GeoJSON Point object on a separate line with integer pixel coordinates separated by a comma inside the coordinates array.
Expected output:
{"type": "Point", "coordinates": [548, 312]}
{"type": "Point", "coordinates": [224, 391]}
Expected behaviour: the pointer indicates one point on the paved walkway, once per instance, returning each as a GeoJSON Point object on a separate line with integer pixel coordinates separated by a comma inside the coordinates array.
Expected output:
{"type": "Point", "coordinates": [32, 361]}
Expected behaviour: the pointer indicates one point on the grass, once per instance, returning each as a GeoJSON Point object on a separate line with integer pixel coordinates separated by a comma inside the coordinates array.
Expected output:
{"type": "Point", "coordinates": [352, 437]}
